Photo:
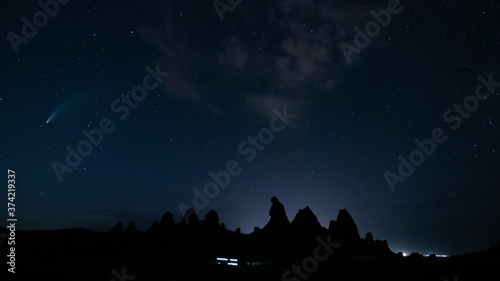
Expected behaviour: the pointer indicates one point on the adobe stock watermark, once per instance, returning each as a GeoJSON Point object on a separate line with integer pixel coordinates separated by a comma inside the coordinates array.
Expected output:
{"type": "Point", "coordinates": [311, 264]}
{"type": "Point", "coordinates": [120, 106]}
{"type": "Point", "coordinates": [454, 117]}
{"type": "Point", "coordinates": [372, 29]}
{"type": "Point", "coordinates": [221, 7]}
{"type": "Point", "coordinates": [29, 30]}
{"type": "Point", "coordinates": [249, 148]}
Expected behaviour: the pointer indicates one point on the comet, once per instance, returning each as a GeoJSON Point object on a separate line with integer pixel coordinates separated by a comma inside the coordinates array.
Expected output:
{"type": "Point", "coordinates": [52, 116]}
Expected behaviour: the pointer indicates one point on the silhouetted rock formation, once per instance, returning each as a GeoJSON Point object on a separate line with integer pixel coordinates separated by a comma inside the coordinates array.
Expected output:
{"type": "Point", "coordinates": [375, 247]}
{"type": "Point", "coordinates": [306, 221]}
{"type": "Point", "coordinates": [416, 255]}
{"type": "Point", "coordinates": [305, 228]}
{"type": "Point", "coordinates": [279, 220]}
{"type": "Point", "coordinates": [344, 230]}
{"type": "Point", "coordinates": [153, 228]}
{"type": "Point", "coordinates": [212, 219]}
{"type": "Point", "coordinates": [190, 217]}
{"type": "Point", "coordinates": [118, 227]}
{"type": "Point", "coordinates": [369, 237]}
{"type": "Point", "coordinates": [131, 227]}
{"type": "Point", "coordinates": [194, 240]}
{"type": "Point", "coordinates": [167, 220]}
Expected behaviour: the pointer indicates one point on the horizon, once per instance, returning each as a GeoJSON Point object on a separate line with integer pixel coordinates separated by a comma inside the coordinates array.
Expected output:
{"type": "Point", "coordinates": [143, 226]}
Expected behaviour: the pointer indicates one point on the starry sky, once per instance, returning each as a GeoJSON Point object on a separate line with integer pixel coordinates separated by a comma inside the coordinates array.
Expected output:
{"type": "Point", "coordinates": [352, 118]}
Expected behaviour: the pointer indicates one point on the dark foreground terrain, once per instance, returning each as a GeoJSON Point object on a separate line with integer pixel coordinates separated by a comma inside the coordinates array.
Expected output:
{"type": "Point", "coordinates": [353, 268]}
{"type": "Point", "coordinates": [189, 250]}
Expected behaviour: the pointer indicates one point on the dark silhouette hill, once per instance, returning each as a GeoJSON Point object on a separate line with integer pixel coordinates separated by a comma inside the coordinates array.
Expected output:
{"type": "Point", "coordinates": [189, 249]}
{"type": "Point", "coordinates": [279, 220]}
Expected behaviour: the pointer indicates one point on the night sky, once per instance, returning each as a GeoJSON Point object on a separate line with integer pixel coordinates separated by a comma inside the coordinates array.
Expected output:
{"type": "Point", "coordinates": [221, 80]}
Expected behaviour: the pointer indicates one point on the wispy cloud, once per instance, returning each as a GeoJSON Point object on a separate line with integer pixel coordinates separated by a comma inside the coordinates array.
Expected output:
{"type": "Point", "coordinates": [307, 54]}
{"type": "Point", "coordinates": [234, 54]}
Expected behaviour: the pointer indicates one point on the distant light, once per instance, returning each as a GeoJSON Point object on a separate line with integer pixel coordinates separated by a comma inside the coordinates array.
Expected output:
{"type": "Point", "coordinates": [442, 256]}
{"type": "Point", "coordinates": [405, 254]}
{"type": "Point", "coordinates": [227, 261]}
